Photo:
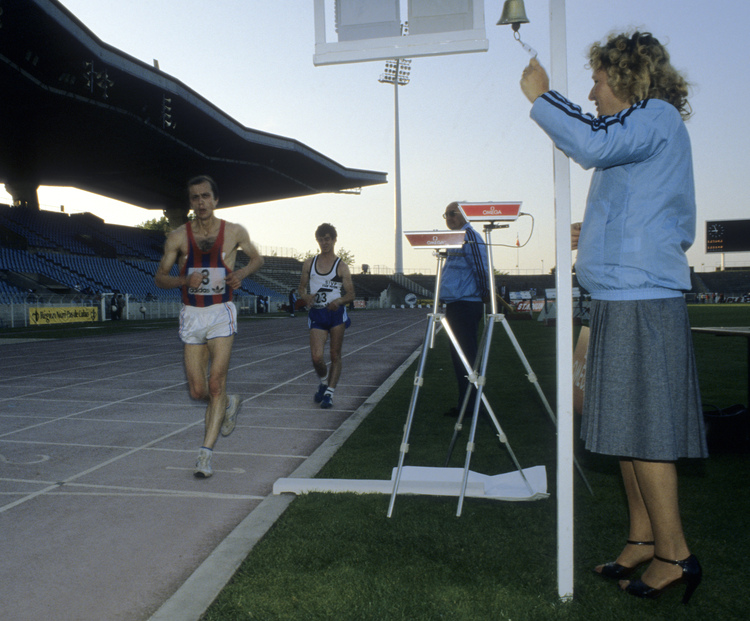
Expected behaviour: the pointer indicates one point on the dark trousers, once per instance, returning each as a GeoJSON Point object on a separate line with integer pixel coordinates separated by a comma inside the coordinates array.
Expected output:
{"type": "Point", "coordinates": [464, 319]}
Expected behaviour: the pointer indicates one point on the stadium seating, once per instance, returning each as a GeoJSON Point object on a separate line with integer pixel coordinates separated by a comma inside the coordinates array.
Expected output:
{"type": "Point", "coordinates": [51, 252]}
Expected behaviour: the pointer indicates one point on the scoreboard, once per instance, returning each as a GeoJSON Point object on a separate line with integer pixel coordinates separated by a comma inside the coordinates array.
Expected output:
{"type": "Point", "coordinates": [728, 236]}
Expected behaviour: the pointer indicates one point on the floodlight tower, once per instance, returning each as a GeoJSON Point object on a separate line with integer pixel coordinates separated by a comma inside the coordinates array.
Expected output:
{"type": "Point", "coordinates": [397, 73]}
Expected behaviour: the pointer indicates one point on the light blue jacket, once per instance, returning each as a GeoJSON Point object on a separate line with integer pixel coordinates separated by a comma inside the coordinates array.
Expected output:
{"type": "Point", "coordinates": [640, 211]}
{"type": "Point", "coordinates": [465, 271]}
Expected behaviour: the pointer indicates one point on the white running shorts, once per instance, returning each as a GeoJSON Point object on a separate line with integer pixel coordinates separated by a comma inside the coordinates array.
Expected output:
{"type": "Point", "coordinates": [199, 325]}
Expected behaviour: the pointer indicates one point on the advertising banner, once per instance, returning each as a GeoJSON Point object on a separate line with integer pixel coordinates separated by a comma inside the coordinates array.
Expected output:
{"type": "Point", "coordinates": [47, 315]}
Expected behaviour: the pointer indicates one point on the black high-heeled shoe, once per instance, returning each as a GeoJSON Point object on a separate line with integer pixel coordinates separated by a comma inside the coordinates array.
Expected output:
{"type": "Point", "coordinates": [691, 576]}
{"type": "Point", "coordinates": [620, 572]}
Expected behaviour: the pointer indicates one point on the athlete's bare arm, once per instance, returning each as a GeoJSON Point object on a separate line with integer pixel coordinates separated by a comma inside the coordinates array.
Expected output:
{"type": "Point", "coordinates": [241, 238]}
{"type": "Point", "coordinates": [304, 280]}
{"type": "Point", "coordinates": [175, 248]}
{"type": "Point", "coordinates": [346, 280]}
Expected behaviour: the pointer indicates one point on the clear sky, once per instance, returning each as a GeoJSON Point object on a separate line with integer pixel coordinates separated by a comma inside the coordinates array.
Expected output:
{"type": "Point", "coordinates": [465, 129]}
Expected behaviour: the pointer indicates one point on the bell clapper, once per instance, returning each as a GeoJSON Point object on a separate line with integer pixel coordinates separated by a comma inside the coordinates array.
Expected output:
{"type": "Point", "coordinates": [530, 50]}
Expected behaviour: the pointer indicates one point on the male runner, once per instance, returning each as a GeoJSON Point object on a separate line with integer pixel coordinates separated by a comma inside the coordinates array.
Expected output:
{"type": "Point", "coordinates": [205, 250]}
{"type": "Point", "coordinates": [331, 289]}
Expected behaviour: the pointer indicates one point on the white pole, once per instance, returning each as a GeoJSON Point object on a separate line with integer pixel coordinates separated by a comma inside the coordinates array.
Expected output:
{"type": "Point", "coordinates": [559, 82]}
{"type": "Point", "coordinates": [399, 263]}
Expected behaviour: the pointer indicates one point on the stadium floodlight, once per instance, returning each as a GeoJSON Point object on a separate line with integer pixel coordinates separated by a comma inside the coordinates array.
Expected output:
{"type": "Point", "coordinates": [93, 78]}
{"type": "Point", "coordinates": [105, 83]}
{"type": "Point", "coordinates": [166, 113]}
{"type": "Point", "coordinates": [397, 73]}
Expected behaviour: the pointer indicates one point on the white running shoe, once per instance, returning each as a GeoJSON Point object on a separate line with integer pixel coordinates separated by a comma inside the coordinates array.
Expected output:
{"type": "Point", "coordinates": [203, 468]}
{"type": "Point", "coordinates": [230, 416]}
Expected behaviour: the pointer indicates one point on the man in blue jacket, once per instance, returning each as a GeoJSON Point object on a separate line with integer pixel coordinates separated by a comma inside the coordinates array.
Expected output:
{"type": "Point", "coordinates": [464, 288]}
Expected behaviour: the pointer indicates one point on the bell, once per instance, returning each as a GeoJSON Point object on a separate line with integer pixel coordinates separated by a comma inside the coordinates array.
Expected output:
{"type": "Point", "coordinates": [514, 14]}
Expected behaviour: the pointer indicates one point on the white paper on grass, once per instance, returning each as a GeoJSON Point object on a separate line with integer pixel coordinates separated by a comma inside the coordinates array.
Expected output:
{"type": "Point", "coordinates": [431, 482]}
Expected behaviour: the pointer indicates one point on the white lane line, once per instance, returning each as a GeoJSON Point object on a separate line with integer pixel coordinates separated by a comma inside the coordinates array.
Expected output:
{"type": "Point", "coordinates": [80, 489]}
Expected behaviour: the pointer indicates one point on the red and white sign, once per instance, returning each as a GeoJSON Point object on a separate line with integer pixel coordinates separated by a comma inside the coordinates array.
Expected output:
{"type": "Point", "coordinates": [489, 212]}
{"type": "Point", "coordinates": [526, 306]}
{"type": "Point", "coordinates": [435, 239]}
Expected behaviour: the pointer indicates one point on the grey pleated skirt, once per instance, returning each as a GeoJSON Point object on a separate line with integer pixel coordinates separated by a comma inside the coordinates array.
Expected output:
{"type": "Point", "coordinates": [642, 398]}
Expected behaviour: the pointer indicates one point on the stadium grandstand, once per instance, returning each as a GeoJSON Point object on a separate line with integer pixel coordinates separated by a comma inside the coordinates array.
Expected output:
{"type": "Point", "coordinates": [53, 258]}
{"type": "Point", "coordinates": [48, 258]}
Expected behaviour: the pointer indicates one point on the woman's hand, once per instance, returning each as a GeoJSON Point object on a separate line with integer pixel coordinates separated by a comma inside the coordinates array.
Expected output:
{"type": "Point", "coordinates": [534, 80]}
{"type": "Point", "coordinates": [575, 233]}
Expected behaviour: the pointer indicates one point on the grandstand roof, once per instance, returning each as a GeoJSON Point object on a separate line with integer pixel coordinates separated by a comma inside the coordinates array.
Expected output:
{"type": "Point", "coordinates": [78, 112]}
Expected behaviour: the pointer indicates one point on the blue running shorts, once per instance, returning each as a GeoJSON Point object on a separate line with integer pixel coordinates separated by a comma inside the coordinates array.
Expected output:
{"type": "Point", "coordinates": [324, 319]}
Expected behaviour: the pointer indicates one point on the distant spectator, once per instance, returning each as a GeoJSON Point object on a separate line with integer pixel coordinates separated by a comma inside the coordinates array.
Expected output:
{"type": "Point", "coordinates": [113, 308]}
{"type": "Point", "coordinates": [120, 305]}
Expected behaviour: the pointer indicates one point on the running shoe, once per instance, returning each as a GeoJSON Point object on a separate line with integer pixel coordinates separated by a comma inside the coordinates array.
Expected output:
{"type": "Point", "coordinates": [203, 468]}
{"type": "Point", "coordinates": [230, 416]}
{"type": "Point", "coordinates": [319, 395]}
{"type": "Point", "coordinates": [326, 402]}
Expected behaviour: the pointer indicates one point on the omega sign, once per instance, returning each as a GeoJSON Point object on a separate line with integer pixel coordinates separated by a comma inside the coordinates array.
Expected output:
{"type": "Point", "coordinates": [435, 239]}
{"type": "Point", "coordinates": [494, 211]}
{"type": "Point", "coordinates": [490, 211]}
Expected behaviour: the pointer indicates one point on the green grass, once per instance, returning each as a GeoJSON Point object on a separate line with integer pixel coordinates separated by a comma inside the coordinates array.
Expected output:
{"type": "Point", "coordinates": [722, 361]}
{"type": "Point", "coordinates": [337, 556]}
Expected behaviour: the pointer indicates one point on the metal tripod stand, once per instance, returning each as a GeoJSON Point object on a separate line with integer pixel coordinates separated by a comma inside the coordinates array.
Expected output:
{"type": "Point", "coordinates": [477, 372]}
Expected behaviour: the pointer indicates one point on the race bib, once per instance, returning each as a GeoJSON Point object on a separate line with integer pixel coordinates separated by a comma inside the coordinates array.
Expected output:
{"type": "Point", "coordinates": [212, 283]}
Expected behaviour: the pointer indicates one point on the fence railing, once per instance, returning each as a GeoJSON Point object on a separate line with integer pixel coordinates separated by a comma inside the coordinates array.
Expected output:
{"type": "Point", "coordinates": [24, 310]}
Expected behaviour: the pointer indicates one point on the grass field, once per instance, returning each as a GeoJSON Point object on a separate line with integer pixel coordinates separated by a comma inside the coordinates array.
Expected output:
{"type": "Point", "coordinates": [337, 556]}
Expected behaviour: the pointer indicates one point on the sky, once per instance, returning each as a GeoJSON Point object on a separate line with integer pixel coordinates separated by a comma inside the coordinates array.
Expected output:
{"type": "Point", "coordinates": [464, 123]}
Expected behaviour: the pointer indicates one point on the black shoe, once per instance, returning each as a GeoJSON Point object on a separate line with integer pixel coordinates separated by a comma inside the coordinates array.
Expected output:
{"type": "Point", "coordinates": [692, 573]}
{"type": "Point", "coordinates": [620, 572]}
{"type": "Point", "coordinates": [318, 397]}
{"type": "Point", "coordinates": [453, 413]}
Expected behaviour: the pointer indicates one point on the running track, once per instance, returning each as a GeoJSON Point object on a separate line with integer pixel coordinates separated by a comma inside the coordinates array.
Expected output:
{"type": "Point", "coordinates": [100, 515]}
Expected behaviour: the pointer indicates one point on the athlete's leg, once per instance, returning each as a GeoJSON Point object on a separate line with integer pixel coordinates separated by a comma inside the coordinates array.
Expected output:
{"type": "Point", "coordinates": [196, 369]}
{"type": "Point", "coordinates": [318, 340]}
{"type": "Point", "coordinates": [337, 341]}
{"type": "Point", "coordinates": [220, 351]}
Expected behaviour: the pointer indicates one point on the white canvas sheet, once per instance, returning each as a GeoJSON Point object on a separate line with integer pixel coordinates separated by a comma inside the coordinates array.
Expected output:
{"type": "Point", "coordinates": [431, 482]}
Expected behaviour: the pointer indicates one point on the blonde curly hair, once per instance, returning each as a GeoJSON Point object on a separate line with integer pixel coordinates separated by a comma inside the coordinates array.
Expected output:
{"type": "Point", "coordinates": [638, 67]}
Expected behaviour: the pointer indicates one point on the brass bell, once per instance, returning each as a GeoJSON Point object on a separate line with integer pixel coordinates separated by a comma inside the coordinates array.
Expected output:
{"type": "Point", "coordinates": [514, 13]}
